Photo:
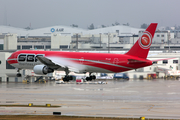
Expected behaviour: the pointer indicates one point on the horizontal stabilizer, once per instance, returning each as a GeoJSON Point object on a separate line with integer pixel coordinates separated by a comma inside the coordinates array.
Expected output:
{"type": "Point", "coordinates": [134, 61]}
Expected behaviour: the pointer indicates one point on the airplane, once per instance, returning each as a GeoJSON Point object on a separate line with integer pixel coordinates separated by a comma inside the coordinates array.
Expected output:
{"type": "Point", "coordinates": [44, 62]}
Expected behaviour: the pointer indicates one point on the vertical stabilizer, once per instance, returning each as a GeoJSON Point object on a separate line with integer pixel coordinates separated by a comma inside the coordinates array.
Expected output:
{"type": "Point", "coordinates": [142, 45]}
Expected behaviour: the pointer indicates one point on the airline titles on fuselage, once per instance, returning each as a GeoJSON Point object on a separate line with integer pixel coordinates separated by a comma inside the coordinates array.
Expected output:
{"type": "Point", "coordinates": [31, 59]}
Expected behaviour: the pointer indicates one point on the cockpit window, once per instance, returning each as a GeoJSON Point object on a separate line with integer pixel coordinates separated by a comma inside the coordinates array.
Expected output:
{"type": "Point", "coordinates": [10, 55]}
{"type": "Point", "coordinates": [22, 57]}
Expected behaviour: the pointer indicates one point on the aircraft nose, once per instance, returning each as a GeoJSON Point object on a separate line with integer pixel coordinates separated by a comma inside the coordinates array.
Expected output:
{"type": "Point", "coordinates": [12, 59]}
{"type": "Point", "coordinates": [8, 60]}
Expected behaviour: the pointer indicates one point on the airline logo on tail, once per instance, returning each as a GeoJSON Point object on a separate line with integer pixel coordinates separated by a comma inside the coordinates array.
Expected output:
{"type": "Point", "coordinates": [145, 40]}
{"type": "Point", "coordinates": [142, 46]}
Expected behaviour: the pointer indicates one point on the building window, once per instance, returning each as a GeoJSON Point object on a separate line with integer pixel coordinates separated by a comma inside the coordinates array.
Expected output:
{"type": "Point", "coordinates": [18, 47]}
{"type": "Point", "coordinates": [157, 35]}
{"type": "Point", "coordinates": [154, 62]}
{"type": "Point", "coordinates": [39, 47]}
{"type": "Point", "coordinates": [175, 61]}
{"type": "Point", "coordinates": [155, 47]}
{"type": "Point", "coordinates": [26, 46]}
{"type": "Point", "coordinates": [162, 35]}
{"type": "Point", "coordinates": [48, 46]}
{"type": "Point", "coordinates": [1, 46]}
{"type": "Point", "coordinates": [63, 46]}
{"type": "Point", "coordinates": [8, 66]}
{"type": "Point", "coordinates": [117, 31]}
{"type": "Point", "coordinates": [165, 61]}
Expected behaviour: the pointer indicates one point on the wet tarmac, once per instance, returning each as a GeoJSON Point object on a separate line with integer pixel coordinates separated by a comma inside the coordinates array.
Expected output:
{"type": "Point", "coordinates": [131, 99]}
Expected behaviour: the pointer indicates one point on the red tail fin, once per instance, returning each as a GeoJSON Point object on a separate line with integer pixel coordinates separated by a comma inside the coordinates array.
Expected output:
{"type": "Point", "coordinates": [142, 46]}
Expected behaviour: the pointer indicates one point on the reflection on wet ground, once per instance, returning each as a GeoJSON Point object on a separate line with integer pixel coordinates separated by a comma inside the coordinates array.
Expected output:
{"type": "Point", "coordinates": [133, 98]}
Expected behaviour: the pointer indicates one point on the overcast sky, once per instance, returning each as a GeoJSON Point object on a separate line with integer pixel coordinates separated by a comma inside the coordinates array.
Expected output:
{"type": "Point", "coordinates": [45, 13]}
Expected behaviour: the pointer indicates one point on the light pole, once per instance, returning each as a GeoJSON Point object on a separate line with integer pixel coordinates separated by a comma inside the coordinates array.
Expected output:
{"type": "Point", "coordinates": [108, 42]}
{"type": "Point", "coordinates": [77, 42]}
{"type": "Point", "coordinates": [100, 39]}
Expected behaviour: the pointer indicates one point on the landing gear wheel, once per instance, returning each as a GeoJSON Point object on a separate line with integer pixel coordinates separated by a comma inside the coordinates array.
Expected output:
{"type": "Point", "coordinates": [67, 78]}
{"type": "Point", "coordinates": [93, 77]}
{"type": "Point", "coordinates": [70, 77]}
{"type": "Point", "coordinates": [89, 78]}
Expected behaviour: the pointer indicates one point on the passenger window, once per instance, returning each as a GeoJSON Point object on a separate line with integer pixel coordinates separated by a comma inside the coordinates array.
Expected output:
{"type": "Point", "coordinates": [22, 58]}
{"type": "Point", "coordinates": [30, 58]}
{"type": "Point", "coordinates": [36, 58]}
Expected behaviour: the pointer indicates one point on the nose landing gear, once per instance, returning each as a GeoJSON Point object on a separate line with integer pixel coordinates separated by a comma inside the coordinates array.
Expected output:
{"type": "Point", "coordinates": [18, 73]}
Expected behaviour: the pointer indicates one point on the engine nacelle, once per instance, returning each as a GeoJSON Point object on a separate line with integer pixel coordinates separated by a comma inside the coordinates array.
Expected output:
{"type": "Point", "coordinates": [42, 69]}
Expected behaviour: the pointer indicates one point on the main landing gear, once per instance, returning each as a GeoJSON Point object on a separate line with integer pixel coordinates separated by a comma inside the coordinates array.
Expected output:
{"type": "Point", "coordinates": [91, 77]}
{"type": "Point", "coordinates": [18, 73]}
{"type": "Point", "coordinates": [67, 77]}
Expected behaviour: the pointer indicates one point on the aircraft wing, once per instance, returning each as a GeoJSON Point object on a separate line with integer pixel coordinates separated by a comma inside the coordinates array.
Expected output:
{"type": "Point", "coordinates": [48, 62]}
{"type": "Point", "coordinates": [56, 63]}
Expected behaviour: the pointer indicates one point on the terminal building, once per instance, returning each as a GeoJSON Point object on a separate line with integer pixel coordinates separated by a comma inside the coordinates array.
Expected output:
{"type": "Point", "coordinates": [116, 39]}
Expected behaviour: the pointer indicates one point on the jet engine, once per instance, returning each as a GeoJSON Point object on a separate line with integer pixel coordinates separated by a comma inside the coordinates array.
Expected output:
{"type": "Point", "coordinates": [42, 69]}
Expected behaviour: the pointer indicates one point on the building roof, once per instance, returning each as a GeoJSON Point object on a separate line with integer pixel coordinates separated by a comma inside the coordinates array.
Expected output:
{"type": "Point", "coordinates": [120, 29]}
{"type": "Point", "coordinates": [66, 30]}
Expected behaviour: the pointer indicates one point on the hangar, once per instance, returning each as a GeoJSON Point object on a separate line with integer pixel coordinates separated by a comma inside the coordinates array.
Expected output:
{"type": "Point", "coordinates": [67, 30]}
{"type": "Point", "coordinates": [64, 37]}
